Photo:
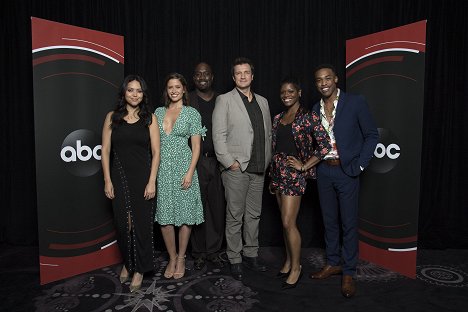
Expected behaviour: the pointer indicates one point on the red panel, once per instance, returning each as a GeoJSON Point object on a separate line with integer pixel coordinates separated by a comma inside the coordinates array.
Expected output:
{"type": "Point", "coordinates": [410, 239]}
{"type": "Point", "coordinates": [411, 36]}
{"type": "Point", "coordinates": [53, 269]}
{"type": "Point", "coordinates": [56, 57]}
{"type": "Point", "coordinates": [47, 33]}
{"type": "Point", "coordinates": [84, 244]}
{"type": "Point", "coordinates": [403, 262]}
{"type": "Point", "coordinates": [374, 61]}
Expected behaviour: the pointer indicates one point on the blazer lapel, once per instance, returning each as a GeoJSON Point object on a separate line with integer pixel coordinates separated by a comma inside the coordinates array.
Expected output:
{"type": "Point", "coordinates": [238, 100]}
{"type": "Point", "coordinates": [263, 107]}
{"type": "Point", "coordinates": [341, 104]}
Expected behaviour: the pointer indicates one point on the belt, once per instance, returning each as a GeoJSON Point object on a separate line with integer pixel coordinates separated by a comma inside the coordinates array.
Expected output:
{"type": "Point", "coordinates": [333, 162]}
{"type": "Point", "coordinates": [209, 154]}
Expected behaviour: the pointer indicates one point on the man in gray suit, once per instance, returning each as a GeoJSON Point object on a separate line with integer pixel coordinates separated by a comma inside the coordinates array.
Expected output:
{"type": "Point", "coordinates": [242, 143]}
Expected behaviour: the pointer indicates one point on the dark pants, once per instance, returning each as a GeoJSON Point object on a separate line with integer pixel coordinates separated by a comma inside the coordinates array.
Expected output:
{"type": "Point", "coordinates": [207, 238]}
{"type": "Point", "coordinates": [339, 194]}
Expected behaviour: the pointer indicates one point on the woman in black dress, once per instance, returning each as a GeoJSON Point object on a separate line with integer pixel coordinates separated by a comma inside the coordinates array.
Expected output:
{"type": "Point", "coordinates": [130, 160]}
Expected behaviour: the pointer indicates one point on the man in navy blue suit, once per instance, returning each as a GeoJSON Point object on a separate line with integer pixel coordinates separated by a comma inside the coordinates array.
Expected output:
{"type": "Point", "coordinates": [353, 137]}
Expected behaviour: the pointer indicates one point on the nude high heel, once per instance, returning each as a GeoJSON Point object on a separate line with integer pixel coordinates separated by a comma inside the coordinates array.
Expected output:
{"type": "Point", "coordinates": [169, 273]}
{"type": "Point", "coordinates": [124, 278]}
{"type": "Point", "coordinates": [136, 287]}
{"type": "Point", "coordinates": [179, 273]}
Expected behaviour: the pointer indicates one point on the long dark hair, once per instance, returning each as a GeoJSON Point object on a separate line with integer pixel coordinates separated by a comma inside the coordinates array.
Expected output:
{"type": "Point", "coordinates": [120, 110]}
{"type": "Point", "coordinates": [165, 98]}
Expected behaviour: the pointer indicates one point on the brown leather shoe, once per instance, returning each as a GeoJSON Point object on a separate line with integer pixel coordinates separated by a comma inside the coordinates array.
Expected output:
{"type": "Point", "coordinates": [327, 271]}
{"type": "Point", "coordinates": [348, 286]}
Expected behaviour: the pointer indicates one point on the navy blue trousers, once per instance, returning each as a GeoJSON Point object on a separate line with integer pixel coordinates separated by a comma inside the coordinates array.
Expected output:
{"type": "Point", "coordinates": [339, 199]}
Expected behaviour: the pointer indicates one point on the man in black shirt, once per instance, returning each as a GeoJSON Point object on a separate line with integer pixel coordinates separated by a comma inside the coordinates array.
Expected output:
{"type": "Point", "coordinates": [242, 141]}
{"type": "Point", "coordinates": [207, 238]}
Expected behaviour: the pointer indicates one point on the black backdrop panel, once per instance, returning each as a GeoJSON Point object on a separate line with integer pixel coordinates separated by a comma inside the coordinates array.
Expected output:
{"type": "Point", "coordinates": [388, 69]}
{"type": "Point", "coordinates": [76, 79]}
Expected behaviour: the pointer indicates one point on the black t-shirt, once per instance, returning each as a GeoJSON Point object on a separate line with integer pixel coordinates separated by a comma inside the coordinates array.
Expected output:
{"type": "Point", "coordinates": [285, 140]}
{"type": "Point", "coordinates": [206, 112]}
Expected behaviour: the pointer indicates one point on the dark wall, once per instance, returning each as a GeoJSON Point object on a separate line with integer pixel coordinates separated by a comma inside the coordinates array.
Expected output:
{"type": "Point", "coordinates": [282, 38]}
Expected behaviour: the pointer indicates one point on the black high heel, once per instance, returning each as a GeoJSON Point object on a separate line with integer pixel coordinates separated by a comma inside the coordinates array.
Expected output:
{"type": "Point", "coordinates": [282, 274]}
{"type": "Point", "coordinates": [286, 285]}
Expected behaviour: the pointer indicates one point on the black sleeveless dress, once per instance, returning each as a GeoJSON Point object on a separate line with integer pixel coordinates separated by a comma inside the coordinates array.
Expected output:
{"type": "Point", "coordinates": [130, 170]}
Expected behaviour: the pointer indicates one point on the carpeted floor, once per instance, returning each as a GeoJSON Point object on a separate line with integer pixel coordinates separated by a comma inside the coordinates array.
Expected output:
{"type": "Point", "coordinates": [441, 285]}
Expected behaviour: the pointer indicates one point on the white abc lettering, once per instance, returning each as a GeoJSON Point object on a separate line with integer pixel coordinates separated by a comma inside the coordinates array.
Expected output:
{"type": "Point", "coordinates": [84, 153]}
{"type": "Point", "coordinates": [389, 151]}
{"type": "Point", "coordinates": [66, 158]}
{"type": "Point", "coordinates": [380, 151]}
{"type": "Point", "coordinates": [95, 152]}
{"type": "Point", "coordinates": [80, 149]}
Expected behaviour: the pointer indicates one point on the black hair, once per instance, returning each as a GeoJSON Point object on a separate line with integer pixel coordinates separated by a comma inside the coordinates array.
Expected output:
{"type": "Point", "coordinates": [242, 60]}
{"type": "Point", "coordinates": [120, 110]}
{"type": "Point", "coordinates": [292, 80]}
{"type": "Point", "coordinates": [322, 66]}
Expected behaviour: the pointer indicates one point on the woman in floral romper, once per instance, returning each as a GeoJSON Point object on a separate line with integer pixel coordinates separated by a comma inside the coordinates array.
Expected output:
{"type": "Point", "coordinates": [295, 154]}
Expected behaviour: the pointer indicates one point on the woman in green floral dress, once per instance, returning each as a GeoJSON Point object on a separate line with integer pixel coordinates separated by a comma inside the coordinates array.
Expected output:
{"type": "Point", "coordinates": [178, 195]}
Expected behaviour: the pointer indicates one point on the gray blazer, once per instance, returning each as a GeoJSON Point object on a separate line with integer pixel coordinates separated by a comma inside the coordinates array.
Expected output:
{"type": "Point", "coordinates": [233, 132]}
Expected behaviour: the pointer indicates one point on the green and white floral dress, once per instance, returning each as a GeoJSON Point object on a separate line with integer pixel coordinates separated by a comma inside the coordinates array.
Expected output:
{"type": "Point", "coordinates": [175, 205]}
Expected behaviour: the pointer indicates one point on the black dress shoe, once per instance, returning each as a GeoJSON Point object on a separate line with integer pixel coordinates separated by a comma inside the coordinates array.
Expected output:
{"type": "Point", "coordinates": [217, 259]}
{"type": "Point", "coordinates": [286, 285]}
{"type": "Point", "coordinates": [199, 263]}
{"type": "Point", "coordinates": [218, 262]}
{"type": "Point", "coordinates": [253, 264]}
{"type": "Point", "coordinates": [236, 271]}
{"type": "Point", "coordinates": [282, 274]}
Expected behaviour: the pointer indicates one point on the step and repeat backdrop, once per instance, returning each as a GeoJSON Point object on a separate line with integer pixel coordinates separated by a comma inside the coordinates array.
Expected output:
{"type": "Point", "coordinates": [387, 68]}
{"type": "Point", "coordinates": [76, 73]}
{"type": "Point", "coordinates": [76, 76]}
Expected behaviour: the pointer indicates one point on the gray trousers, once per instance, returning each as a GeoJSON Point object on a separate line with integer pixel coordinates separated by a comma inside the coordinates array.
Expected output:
{"type": "Point", "coordinates": [243, 192]}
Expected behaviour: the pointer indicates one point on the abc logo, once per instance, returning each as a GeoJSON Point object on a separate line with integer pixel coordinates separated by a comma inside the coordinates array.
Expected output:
{"type": "Point", "coordinates": [81, 153]}
{"type": "Point", "coordinates": [386, 152]}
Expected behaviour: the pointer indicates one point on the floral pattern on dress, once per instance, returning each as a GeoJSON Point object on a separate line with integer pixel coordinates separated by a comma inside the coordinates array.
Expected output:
{"type": "Point", "coordinates": [285, 179]}
{"type": "Point", "coordinates": [175, 205]}
{"type": "Point", "coordinates": [309, 136]}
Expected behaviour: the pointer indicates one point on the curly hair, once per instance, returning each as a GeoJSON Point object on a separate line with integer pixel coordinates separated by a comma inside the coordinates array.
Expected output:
{"type": "Point", "coordinates": [292, 80]}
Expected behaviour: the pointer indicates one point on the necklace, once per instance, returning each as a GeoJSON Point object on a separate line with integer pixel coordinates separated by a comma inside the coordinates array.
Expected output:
{"type": "Point", "coordinates": [329, 112]}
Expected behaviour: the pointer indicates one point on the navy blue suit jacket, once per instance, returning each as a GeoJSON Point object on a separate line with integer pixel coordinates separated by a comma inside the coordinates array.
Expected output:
{"type": "Point", "coordinates": [355, 132]}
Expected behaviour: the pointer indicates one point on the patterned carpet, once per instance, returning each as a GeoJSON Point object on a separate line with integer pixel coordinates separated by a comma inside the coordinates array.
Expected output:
{"type": "Point", "coordinates": [441, 285]}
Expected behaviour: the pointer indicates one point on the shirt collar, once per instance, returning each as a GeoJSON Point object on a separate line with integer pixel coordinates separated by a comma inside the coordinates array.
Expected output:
{"type": "Point", "coordinates": [335, 102]}
{"type": "Point", "coordinates": [243, 96]}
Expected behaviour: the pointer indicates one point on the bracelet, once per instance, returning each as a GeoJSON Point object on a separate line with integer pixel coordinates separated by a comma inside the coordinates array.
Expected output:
{"type": "Point", "coordinates": [302, 168]}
